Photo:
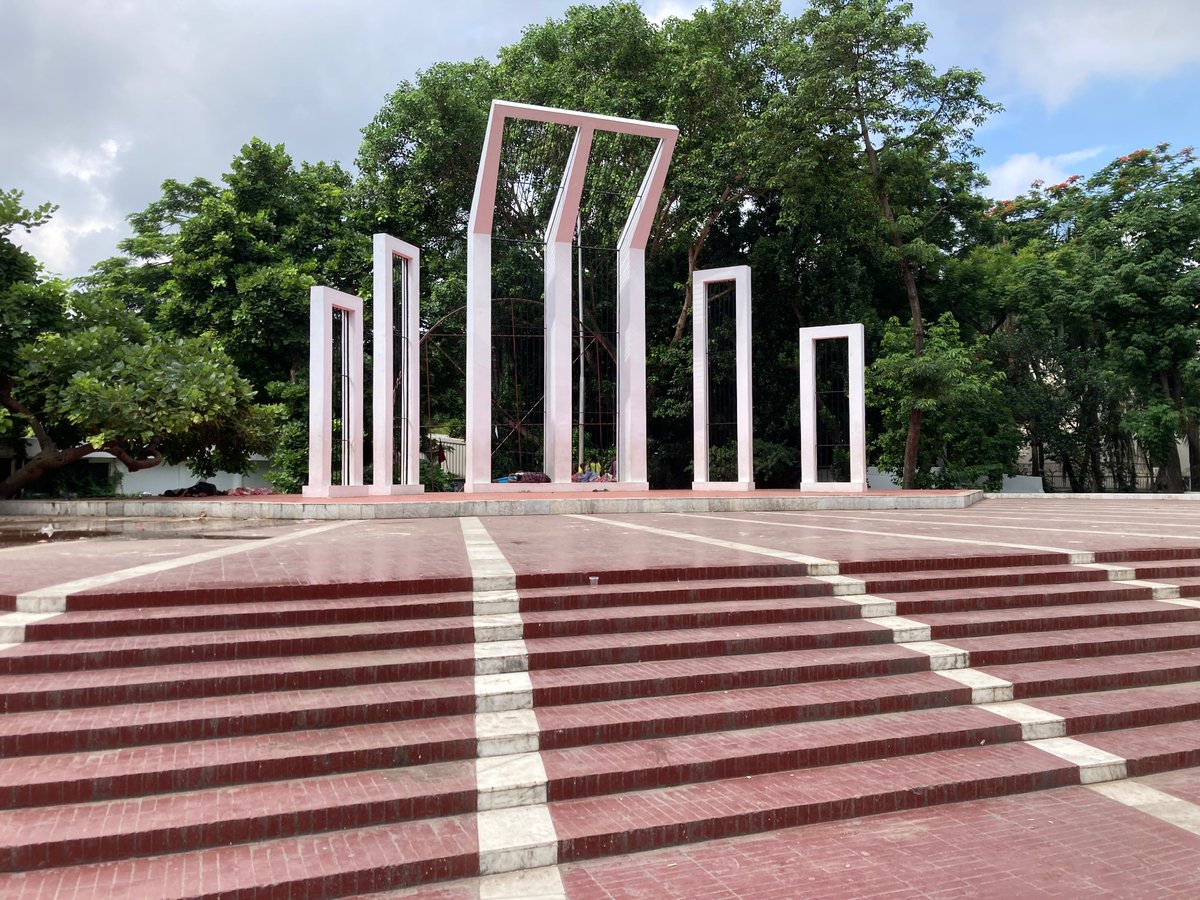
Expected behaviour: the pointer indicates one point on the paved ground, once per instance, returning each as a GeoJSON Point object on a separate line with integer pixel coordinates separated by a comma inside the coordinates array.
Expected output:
{"type": "Point", "coordinates": [403, 551]}
{"type": "Point", "coordinates": [1068, 842]}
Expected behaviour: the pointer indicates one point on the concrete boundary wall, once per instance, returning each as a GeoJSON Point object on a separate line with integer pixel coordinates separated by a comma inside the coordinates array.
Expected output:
{"type": "Point", "coordinates": [266, 508]}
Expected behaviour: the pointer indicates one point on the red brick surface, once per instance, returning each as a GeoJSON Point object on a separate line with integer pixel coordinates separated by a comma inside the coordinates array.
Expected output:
{"type": "Point", "coordinates": [719, 710]}
{"type": "Point", "coordinates": [100, 728]}
{"type": "Point", "coordinates": [369, 859]}
{"type": "Point", "coordinates": [1069, 842]}
{"type": "Point", "coordinates": [632, 822]}
{"type": "Point", "coordinates": [190, 765]}
{"type": "Point", "coordinates": [298, 718]}
{"type": "Point", "coordinates": [643, 765]}
{"type": "Point", "coordinates": [1099, 673]}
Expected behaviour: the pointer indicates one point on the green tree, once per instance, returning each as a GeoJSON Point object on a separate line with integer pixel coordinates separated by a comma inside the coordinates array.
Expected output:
{"type": "Point", "coordinates": [84, 374]}
{"type": "Point", "coordinates": [970, 435]}
{"type": "Point", "coordinates": [1099, 284]}
{"type": "Point", "coordinates": [861, 81]}
{"type": "Point", "coordinates": [717, 76]}
{"type": "Point", "coordinates": [237, 260]}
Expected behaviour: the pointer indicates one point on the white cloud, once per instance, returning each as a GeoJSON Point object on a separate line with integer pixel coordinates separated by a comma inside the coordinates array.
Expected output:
{"type": "Point", "coordinates": [1057, 47]}
{"type": "Point", "coordinates": [86, 165]}
{"type": "Point", "coordinates": [89, 211]}
{"type": "Point", "coordinates": [658, 11]}
{"type": "Point", "coordinates": [1019, 171]}
{"type": "Point", "coordinates": [55, 243]}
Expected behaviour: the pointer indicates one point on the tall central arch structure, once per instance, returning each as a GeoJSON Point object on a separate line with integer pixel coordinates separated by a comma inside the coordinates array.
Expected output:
{"type": "Point", "coordinates": [631, 297]}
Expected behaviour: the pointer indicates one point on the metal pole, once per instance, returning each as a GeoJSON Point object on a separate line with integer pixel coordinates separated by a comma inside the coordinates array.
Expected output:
{"type": "Point", "coordinates": [582, 353]}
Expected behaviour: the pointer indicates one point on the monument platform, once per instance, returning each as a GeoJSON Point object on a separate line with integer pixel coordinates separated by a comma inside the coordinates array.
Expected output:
{"type": "Point", "coordinates": [512, 501]}
{"type": "Point", "coordinates": [995, 700]}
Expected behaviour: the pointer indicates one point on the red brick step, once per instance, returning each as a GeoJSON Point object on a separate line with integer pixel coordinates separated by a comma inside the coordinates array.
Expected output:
{"type": "Point", "coordinates": [160, 768]}
{"type": "Point", "coordinates": [278, 614]}
{"type": "Point", "coordinates": [210, 646]}
{"type": "Point", "coordinates": [648, 646]}
{"type": "Point", "coordinates": [39, 837]}
{"type": "Point", "coordinates": [1099, 673]}
{"type": "Point", "coordinates": [107, 727]}
{"type": "Point", "coordinates": [1152, 748]}
{"type": "Point", "coordinates": [644, 765]}
{"type": "Point", "coordinates": [889, 582]}
{"type": "Point", "coordinates": [1081, 642]}
{"type": "Point", "coordinates": [148, 684]}
{"type": "Point", "coordinates": [954, 625]}
{"type": "Point", "coordinates": [719, 614]}
{"type": "Point", "coordinates": [649, 717]}
{"type": "Point", "coordinates": [1124, 709]}
{"type": "Point", "coordinates": [627, 823]}
{"type": "Point", "coordinates": [328, 864]}
{"type": "Point", "coordinates": [588, 684]}
{"type": "Point", "coordinates": [914, 603]}
{"type": "Point", "coordinates": [658, 593]}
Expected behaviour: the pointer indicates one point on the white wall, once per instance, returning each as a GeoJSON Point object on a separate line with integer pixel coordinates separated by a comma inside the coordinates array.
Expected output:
{"type": "Point", "coordinates": [162, 478]}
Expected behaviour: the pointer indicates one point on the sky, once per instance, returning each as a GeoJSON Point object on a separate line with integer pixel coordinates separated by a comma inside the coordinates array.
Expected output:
{"type": "Point", "coordinates": [102, 100]}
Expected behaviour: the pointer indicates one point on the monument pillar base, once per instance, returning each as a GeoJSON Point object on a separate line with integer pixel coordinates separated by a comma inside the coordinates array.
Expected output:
{"type": "Point", "coordinates": [835, 487]}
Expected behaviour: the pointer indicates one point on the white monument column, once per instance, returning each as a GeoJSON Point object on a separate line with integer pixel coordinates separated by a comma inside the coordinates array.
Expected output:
{"type": "Point", "coordinates": [387, 385]}
{"type": "Point", "coordinates": [322, 302]}
{"type": "Point", "coordinates": [701, 279]}
{"type": "Point", "coordinates": [478, 469]}
{"type": "Point", "coordinates": [631, 301]}
{"type": "Point", "coordinates": [631, 365]}
{"type": "Point", "coordinates": [854, 335]}
{"type": "Point", "coordinates": [556, 447]}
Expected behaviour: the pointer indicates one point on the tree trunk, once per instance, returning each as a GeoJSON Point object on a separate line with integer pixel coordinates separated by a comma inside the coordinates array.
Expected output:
{"type": "Point", "coordinates": [912, 442]}
{"type": "Point", "coordinates": [910, 450]}
{"type": "Point", "coordinates": [1171, 473]}
{"type": "Point", "coordinates": [47, 459]}
{"type": "Point", "coordinates": [1093, 455]}
{"type": "Point", "coordinates": [693, 260]}
{"type": "Point", "coordinates": [1069, 471]}
{"type": "Point", "coordinates": [1173, 385]}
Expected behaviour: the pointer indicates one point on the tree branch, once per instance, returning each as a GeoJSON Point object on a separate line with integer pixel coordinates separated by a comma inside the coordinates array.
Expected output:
{"type": "Point", "coordinates": [132, 463]}
{"type": "Point", "coordinates": [13, 405]}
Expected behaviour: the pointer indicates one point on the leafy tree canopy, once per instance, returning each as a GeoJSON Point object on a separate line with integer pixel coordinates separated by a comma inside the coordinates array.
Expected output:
{"type": "Point", "coordinates": [83, 373]}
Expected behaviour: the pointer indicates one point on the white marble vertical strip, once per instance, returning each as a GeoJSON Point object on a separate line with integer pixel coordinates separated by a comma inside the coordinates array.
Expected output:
{"type": "Point", "coordinates": [518, 846]}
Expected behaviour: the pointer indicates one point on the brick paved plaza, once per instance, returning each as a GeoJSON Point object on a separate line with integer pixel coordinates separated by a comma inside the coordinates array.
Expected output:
{"type": "Point", "coordinates": [991, 700]}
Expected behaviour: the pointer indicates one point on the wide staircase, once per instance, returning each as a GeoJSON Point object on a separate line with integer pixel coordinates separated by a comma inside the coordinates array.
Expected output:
{"type": "Point", "coordinates": [351, 745]}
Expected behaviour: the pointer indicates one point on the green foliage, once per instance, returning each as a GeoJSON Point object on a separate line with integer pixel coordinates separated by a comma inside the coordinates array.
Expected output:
{"type": "Point", "coordinates": [434, 477]}
{"type": "Point", "coordinates": [1096, 286]}
{"type": "Point", "coordinates": [824, 149]}
{"type": "Point", "coordinates": [77, 480]}
{"type": "Point", "coordinates": [14, 215]}
{"type": "Point", "coordinates": [84, 373]}
{"type": "Point", "coordinates": [968, 435]}
{"type": "Point", "coordinates": [238, 259]}
{"type": "Point", "coordinates": [288, 470]}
